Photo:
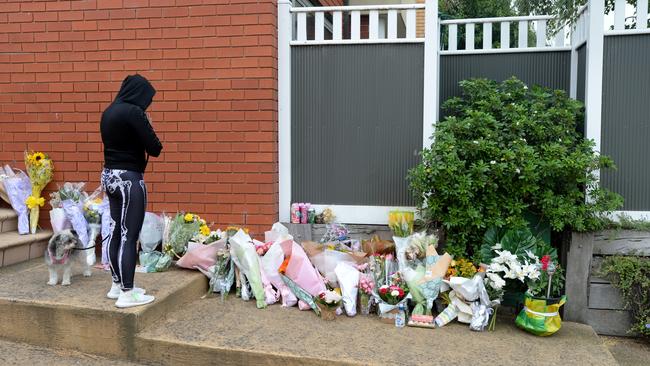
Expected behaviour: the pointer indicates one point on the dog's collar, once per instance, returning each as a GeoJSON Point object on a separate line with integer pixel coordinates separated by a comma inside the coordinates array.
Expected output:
{"type": "Point", "coordinates": [58, 261]}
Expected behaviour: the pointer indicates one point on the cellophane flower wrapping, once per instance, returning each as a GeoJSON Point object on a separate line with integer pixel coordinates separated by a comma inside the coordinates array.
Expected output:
{"type": "Point", "coordinates": [19, 187]}
{"type": "Point", "coordinates": [272, 260]}
{"type": "Point", "coordinates": [299, 269]}
{"type": "Point", "coordinates": [151, 233]}
{"type": "Point", "coordinates": [40, 170]}
{"type": "Point", "coordinates": [464, 293]}
{"type": "Point", "coordinates": [348, 278]}
{"type": "Point", "coordinates": [72, 199]}
{"type": "Point", "coordinates": [424, 270]}
{"type": "Point", "coordinates": [5, 172]}
{"type": "Point", "coordinates": [181, 232]}
{"type": "Point", "coordinates": [325, 258]}
{"type": "Point", "coordinates": [245, 258]}
{"type": "Point", "coordinates": [199, 256]}
{"type": "Point", "coordinates": [222, 273]}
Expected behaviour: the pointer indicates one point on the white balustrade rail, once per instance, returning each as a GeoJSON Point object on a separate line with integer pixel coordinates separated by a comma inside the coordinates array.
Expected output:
{"type": "Point", "coordinates": [543, 41]}
{"type": "Point", "coordinates": [640, 17]}
{"type": "Point", "coordinates": [580, 28]}
{"type": "Point", "coordinates": [335, 15]}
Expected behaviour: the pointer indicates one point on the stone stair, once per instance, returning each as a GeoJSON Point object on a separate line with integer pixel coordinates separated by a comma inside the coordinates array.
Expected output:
{"type": "Point", "coordinates": [15, 248]}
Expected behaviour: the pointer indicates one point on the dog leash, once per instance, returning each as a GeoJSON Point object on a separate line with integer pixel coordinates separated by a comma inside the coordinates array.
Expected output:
{"type": "Point", "coordinates": [83, 248]}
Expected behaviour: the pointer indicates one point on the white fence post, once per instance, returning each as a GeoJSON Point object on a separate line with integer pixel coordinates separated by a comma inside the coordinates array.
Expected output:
{"type": "Point", "coordinates": [284, 109]}
{"type": "Point", "coordinates": [431, 64]}
{"type": "Point", "coordinates": [594, 78]}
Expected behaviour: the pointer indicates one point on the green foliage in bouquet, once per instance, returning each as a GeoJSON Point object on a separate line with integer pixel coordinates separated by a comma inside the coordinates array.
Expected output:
{"type": "Point", "coordinates": [182, 228]}
{"type": "Point", "coordinates": [631, 275]}
{"type": "Point", "coordinates": [504, 150]}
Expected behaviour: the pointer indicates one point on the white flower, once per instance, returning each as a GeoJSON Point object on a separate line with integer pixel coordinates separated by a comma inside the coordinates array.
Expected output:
{"type": "Point", "coordinates": [394, 293]}
{"type": "Point", "coordinates": [518, 170]}
{"type": "Point", "coordinates": [531, 255]}
{"type": "Point", "coordinates": [496, 267]}
{"type": "Point", "coordinates": [476, 142]}
{"type": "Point", "coordinates": [497, 246]}
{"type": "Point", "coordinates": [332, 297]}
{"type": "Point", "coordinates": [506, 256]}
{"type": "Point", "coordinates": [525, 87]}
{"type": "Point", "coordinates": [496, 282]}
{"type": "Point", "coordinates": [493, 162]}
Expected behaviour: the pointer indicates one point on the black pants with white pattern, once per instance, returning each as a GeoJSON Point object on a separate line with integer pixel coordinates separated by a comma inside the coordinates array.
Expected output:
{"type": "Point", "coordinates": [127, 197]}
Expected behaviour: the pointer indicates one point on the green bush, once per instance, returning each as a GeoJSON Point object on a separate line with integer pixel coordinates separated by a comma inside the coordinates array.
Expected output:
{"type": "Point", "coordinates": [631, 275]}
{"type": "Point", "coordinates": [503, 150]}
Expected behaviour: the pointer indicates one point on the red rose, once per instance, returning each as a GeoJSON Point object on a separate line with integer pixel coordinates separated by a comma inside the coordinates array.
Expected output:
{"type": "Point", "coordinates": [383, 290]}
{"type": "Point", "coordinates": [401, 292]}
{"type": "Point", "coordinates": [545, 261]}
{"type": "Point", "coordinates": [322, 295]}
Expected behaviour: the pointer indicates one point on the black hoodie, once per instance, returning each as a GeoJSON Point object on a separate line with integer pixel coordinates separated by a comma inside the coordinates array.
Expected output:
{"type": "Point", "coordinates": [126, 131]}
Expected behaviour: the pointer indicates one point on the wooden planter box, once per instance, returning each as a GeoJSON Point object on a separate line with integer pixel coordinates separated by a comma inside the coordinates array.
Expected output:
{"type": "Point", "coordinates": [591, 299]}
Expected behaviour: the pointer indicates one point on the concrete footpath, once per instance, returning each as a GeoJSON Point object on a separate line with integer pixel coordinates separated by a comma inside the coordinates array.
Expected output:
{"type": "Point", "coordinates": [180, 328]}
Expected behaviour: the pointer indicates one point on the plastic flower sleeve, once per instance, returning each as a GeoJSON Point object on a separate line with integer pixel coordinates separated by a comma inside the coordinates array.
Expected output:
{"type": "Point", "coordinates": [300, 270]}
{"type": "Point", "coordinates": [400, 250]}
{"type": "Point", "coordinates": [151, 233]}
{"type": "Point", "coordinates": [74, 212]}
{"type": "Point", "coordinates": [243, 254]}
{"type": "Point", "coordinates": [59, 220]}
{"type": "Point", "coordinates": [348, 278]}
{"type": "Point", "coordinates": [270, 262]}
{"type": "Point", "coordinates": [18, 189]}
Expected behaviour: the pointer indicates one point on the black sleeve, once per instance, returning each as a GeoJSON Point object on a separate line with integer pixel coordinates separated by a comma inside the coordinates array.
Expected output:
{"type": "Point", "coordinates": [147, 135]}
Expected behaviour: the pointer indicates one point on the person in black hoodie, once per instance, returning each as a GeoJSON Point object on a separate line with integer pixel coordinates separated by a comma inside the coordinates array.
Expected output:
{"type": "Point", "coordinates": [129, 140]}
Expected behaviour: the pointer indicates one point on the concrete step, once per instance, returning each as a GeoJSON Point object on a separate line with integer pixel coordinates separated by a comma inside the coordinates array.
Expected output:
{"type": "Point", "coordinates": [237, 333]}
{"type": "Point", "coordinates": [15, 248]}
{"type": "Point", "coordinates": [8, 220]}
{"type": "Point", "coordinates": [79, 316]}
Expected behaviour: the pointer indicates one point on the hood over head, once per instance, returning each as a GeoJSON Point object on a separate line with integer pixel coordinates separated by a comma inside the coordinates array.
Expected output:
{"type": "Point", "coordinates": [137, 90]}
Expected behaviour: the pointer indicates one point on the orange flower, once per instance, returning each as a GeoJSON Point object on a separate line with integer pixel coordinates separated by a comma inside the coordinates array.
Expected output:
{"type": "Point", "coordinates": [285, 264]}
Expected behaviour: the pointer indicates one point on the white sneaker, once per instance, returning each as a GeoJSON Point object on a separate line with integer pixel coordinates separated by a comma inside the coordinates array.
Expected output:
{"type": "Point", "coordinates": [114, 293]}
{"type": "Point", "coordinates": [131, 298]}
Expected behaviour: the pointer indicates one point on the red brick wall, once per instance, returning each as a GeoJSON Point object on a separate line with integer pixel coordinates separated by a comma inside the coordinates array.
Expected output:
{"type": "Point", "coordinates": [213, 63]}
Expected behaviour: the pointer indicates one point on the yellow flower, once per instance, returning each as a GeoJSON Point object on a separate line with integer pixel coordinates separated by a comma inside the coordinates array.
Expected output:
{"type": "Point", "coordinates": [202, 222]}
{"type": "Point", "coordinates": [33, 202]}
{"type": "Point", "coordinates": [189, 217]}
{"type": "Point", "coordinates": [205, 230]}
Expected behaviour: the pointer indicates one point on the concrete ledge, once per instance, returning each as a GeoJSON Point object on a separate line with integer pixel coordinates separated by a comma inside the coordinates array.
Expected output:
{"type": "Point", "coordinates": [236, 333]}
{"type": "Point", "coordinates": [80, 316]}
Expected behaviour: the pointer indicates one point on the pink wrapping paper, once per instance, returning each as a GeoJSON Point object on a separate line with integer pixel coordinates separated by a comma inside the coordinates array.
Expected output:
{"type": "Point", "coordinates": [201, 256]}
{"type": "Point", "coordinates": [270, 263]}
{"type": "Point", "coordinates": [301, 271]}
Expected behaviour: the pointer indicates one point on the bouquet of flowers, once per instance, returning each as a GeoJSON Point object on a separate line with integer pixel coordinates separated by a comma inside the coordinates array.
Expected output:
{"type": "Point", "coordinates": [461, 268]}
{"type": "Point", "coordinates": [181, 230]}
{"type": "Point", "coordinates": [335, 233]}
{"type": "Point", "coordinates": [328, 301]}
{"type": "Point", "coordinates": [40, 170]}
{"type": "Point", "coordinates": [326, 258]}
{"type": "Point", "coordinates": [366, 287]}
{"type": "Point", "coordinates": [72, 192]}
{"type": "Point", "coordinates": [242, 252]}
{"type": "Point", "coordinates": [390, 295]}
{"type": "Point", "coordinates": [222, 273]}
{"type": "Point", "coordinates": [272, 259]}
{"type": "Point", "coordinates": [424, 270]}
{"type": "Point", "coordinates": [93, 214]}
{"type": "Point", "coordinates": [5, 172]}
{"type": "Point", "coordinates": [401, 223]}
{"type": "Point", "coordinates": [207, 236]}
{"type": "Point", "coordinates": [18, 188]}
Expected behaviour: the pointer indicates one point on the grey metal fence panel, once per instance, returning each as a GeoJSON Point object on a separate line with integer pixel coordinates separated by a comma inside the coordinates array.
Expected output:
{"type": "Point", "coordinates": [626, 118]}
{"type": "Point", "coordinates": [549, 69]}
{"type": "Point", "coordinates": [356, 122]}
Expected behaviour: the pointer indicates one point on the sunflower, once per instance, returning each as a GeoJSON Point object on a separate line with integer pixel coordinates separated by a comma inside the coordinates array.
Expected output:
{"type": "Point", "coordinates": [37, 158]}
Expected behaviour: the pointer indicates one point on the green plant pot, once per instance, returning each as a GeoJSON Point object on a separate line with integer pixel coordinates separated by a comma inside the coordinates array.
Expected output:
{"type": "Point", "coordinates": [513, 300]}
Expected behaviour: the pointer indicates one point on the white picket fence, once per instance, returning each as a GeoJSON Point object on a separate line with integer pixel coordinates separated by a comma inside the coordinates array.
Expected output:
{"type": "Point", "coordinates": [383, 26]}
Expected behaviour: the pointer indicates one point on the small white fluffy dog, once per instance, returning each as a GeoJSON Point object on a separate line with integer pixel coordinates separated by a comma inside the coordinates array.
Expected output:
{"type": "Point", "coordinates": [63, 250]}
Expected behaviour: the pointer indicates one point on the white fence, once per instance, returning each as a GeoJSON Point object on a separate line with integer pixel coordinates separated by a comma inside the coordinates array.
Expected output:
{"type": "Point", "coordinates": [309, 26]}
